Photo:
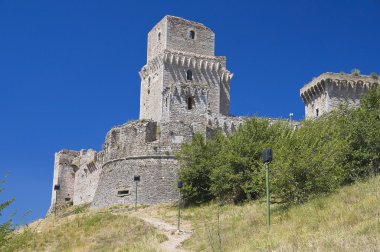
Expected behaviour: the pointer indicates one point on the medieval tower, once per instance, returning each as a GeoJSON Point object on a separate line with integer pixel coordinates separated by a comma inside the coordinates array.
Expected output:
{"type": "Point", "coordinates": [185, 89]}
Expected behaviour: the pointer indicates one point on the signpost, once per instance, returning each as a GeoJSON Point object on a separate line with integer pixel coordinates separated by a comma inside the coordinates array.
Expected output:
{"type": "Point", "coordinates": [136, 179]}
{"type": "Point", "coordinates": [180, 185]}
{"type": "Point", "coordinates": [267, 158]}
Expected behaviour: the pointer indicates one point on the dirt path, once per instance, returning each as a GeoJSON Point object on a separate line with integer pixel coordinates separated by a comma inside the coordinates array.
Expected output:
{"type": "Point", "coordinates": [175, 237]}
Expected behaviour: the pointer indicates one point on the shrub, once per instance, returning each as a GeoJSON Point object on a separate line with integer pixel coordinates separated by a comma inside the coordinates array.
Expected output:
{"type": "Point", "coordinates": [374, 75]}
{"type": "Point", "coordinates": [355, 72]}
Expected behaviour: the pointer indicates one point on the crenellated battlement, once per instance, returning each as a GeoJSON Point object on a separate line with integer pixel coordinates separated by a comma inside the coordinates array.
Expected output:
{"type": "Point", "coordinates": [327, 91]}
{"type": "Point", "coordinates": [188, 60]}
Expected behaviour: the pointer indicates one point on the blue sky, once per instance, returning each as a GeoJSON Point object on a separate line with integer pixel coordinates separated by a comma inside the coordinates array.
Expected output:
{"type": "Point", "coordinates": [69, 69]}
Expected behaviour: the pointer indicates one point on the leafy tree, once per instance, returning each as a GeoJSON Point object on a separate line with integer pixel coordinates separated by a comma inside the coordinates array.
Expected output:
{"type": "Point", "coordinates": [361, 129]}
{"type": "Point", "coordinates": [308, 162]}
{"type": "Point", "coordinates": [197, 160]}
{"type": "Point", "coordinates": [238, 175]}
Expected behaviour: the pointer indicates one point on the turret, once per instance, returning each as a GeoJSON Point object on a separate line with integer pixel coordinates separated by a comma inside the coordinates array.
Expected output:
{"type": "Point", "coordinates": [327, 91]}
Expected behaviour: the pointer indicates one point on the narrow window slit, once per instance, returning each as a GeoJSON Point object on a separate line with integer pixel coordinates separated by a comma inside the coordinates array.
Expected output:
{"type": "Point", "coordinates": [189, 75]}
{"type": "Point", "coordinates": [190, 103]}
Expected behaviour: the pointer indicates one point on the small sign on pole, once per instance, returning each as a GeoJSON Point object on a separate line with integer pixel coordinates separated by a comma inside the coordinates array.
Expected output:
{"type": "Point", "coordinates": [267, 158]}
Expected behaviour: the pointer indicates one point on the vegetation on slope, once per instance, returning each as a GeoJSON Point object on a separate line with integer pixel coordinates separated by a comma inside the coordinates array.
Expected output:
{"type": "Point", "coordinates": [319, 157]}
{"type": "Point", "coordinates": [6, 227]}
{"type": "Point", "coordinates": [87, 231]}
{"type": "Point", "coordinates": [348, 220]}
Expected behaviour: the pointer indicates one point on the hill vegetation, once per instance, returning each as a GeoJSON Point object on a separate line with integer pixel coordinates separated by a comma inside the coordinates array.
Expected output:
{"type": "Point", "coordinates": [6, 226]}
{"type": "Point", "coordinates": [79, 229]}
{"type": "Point", "coordinates": [348, 220]}
{"type": "Point", "coordinates": [320, 156]}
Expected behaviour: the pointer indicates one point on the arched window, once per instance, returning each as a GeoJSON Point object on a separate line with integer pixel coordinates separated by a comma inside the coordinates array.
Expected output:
{"type": "Point", "coordinates": [190, 102]}
{"type": "Point", "coordinates": [192, 34]}
{"type": "Point", "coordinates": [159, 36]}
{"type": "Point", "coordinates": [317, 112]}
{"type": "Point", "coordinates": [189, 75]}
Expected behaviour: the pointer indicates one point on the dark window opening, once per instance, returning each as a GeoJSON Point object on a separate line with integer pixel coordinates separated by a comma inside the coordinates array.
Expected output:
{"type": "Point", "coordinates": [190, 103]}
{"type": "Point", "coordinates": [159, 36]}
{"type": "Point", "coordinates": [75, 168]}
{"type": "Point", "coordinates": [189, 75]}
{"type": "Point", "coordinates": [317, 112]}
{"type": "Point", "coordinates": [123, 192]}
{"type": "Point", "coordinates": [192, 34]}
{"type": "Point", "coordinates": [67, 199]}
{"type": "Point", "coordinates": [148, 91]}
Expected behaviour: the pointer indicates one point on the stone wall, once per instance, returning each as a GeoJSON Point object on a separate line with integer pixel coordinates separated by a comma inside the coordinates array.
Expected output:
{"type": "Point", "coordinates": [179, 38]}
{"type": "Point", "coordinates": [87, 176]}
{"type": "Point", "coordinates": [145, 149]}
{"type": "Point", "coordinates": [151, 93]}
{"type": "Point", "coordinates": [158, 179]}
{"type": "Point", "coordinates": [64, 178]}
{"type": "Point", "coordinates": [157, 39]}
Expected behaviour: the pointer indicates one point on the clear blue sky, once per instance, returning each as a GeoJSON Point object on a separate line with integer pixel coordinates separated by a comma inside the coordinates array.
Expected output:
{"type": "Point", "coordinates": [69, 69]}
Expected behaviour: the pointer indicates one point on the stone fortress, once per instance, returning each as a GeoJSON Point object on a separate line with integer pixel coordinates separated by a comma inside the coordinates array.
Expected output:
{"type": "Point", "coordinates": [185, 89]}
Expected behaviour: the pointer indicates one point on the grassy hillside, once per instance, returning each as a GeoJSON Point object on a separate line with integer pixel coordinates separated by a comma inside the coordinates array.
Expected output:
{"type": "Point", "coordinates": [348, 220]}
{"type": "Point", "coordinates": [83, 230]}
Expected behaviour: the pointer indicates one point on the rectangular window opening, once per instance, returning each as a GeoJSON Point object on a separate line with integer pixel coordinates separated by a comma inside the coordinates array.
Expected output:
{"type": "Point", "coordinates": [123, 193]}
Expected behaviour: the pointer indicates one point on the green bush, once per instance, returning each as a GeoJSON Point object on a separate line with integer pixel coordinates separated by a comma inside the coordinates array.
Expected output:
{"type": "Point", "coordinates": [338, 148]}
{"type": "Point", "coordinates": [355, 72]}
{"type": "Point", "coordinates": [374, 75]}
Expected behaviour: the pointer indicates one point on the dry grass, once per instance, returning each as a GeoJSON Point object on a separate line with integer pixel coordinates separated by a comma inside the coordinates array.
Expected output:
{"type": "Point", "coordinates": [87, 231]}
{"type": "Point", "coordinates": [346, 221]}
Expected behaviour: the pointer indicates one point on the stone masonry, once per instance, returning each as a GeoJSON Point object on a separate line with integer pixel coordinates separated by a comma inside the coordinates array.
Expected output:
{"type": "Point", "coordinates": [185, 89]}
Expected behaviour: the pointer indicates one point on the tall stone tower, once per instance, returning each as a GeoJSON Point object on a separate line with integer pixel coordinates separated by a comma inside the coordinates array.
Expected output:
{"type": "Point", "coordinates": [183, 80]}
{"type": "Point", "coordinates": [185, 89]}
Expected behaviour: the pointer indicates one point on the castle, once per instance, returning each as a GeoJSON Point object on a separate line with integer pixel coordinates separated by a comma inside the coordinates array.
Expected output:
{"type": "Point", "coordinates": [185, 89]}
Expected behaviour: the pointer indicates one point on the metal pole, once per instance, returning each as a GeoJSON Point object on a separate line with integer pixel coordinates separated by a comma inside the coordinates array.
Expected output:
{"type": "Point", "coordinates": [179, 210]}
{"type": "Point", "coordinates": [291, 120]}
{"type": "Point", "coordinates": [267, 189]}
{"type": "Point", "coordinates": [136, 197]}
